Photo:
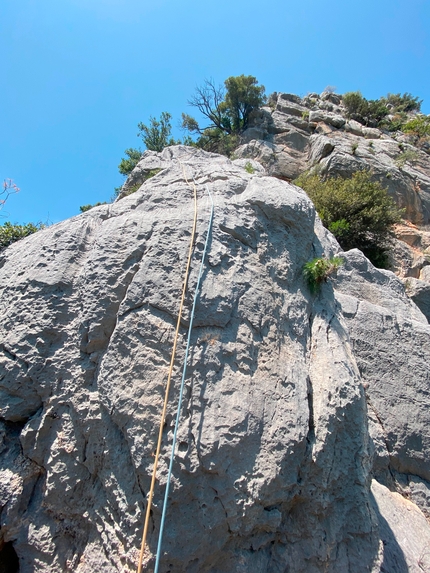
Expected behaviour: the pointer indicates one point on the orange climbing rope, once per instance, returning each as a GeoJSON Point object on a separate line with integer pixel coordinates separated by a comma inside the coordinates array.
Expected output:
{"type": "Point", "coordinates": [169, 377]}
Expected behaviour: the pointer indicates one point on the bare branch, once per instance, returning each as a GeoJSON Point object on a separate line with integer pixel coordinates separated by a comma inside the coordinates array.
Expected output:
{"type": "Point", "coordinates": [9, 188]}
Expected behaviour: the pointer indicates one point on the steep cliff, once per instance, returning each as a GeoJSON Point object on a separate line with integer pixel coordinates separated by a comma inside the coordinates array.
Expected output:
{"type": "Point", "coordinates": [294, 401]}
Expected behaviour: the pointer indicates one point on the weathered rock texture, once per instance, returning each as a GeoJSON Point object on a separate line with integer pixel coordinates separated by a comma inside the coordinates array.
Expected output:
{"type": "Point", "coordinates": [275, 455]}
{"type": "Point", "coordinates": [293, 134]}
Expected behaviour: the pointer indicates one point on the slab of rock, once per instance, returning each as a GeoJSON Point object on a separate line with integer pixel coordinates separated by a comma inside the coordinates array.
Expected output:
{"type": "Point", "coordinates": [320, 147]}
{"type": "Point", "coordinates": [354, 127]}
{"type": "Point", "coordinates": [327, 117]}
{"type": "Point", "coordinates": [405, 533]}
{"type": "Point", "coordinates": [390, 339]}
{"type": "Point", "coordinates": [419, 291]}
{"type": "Point", "coordinates": [274, 459]}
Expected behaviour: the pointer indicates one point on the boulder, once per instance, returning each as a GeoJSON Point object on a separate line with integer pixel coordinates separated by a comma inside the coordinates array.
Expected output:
{"type": "Point", "coordinates": [327, 117]}
{"type": "Point", "coordinates": [354, 127]}
{"type": "Point", "coordinates": [419, 291]}
{"type": "Point", "coordinates": [320, 147]}
{"type": "Point", "coordinates": [274, 459]}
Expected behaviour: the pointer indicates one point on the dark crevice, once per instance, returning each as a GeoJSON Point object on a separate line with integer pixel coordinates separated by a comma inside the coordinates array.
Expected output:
{"type": "Point", "coordinates": [9, 562]}
{"type": "Point", "coordinates": [310, 438]}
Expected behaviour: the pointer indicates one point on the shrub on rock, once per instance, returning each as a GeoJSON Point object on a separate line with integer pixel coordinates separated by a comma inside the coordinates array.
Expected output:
{"type": "Point", "coordinates": [358, 211]}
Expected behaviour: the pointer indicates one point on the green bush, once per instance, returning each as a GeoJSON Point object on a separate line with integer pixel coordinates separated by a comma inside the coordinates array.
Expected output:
{"type": "Point", "coordinates": [367, 112]}
{"type": "Point", "coordinates": [128, 164]}
{"type": "Point", "coordinates": [374, 112]}
{"type": "Point", "coordinates": [84, 208]}
{"type": "Point", "coordinates": [10, 233]}
{"type": "Point", "coordinates": [249, 168]}
{"type": "Point", "coordinates": [157, 135]}
{"type": "Point", "coordinates": [419, 126]}
{"type": "Point", "coordinates": [318, 270]}
{"type": "Point", "coordinates": [409, 156]}
{"type": "Point", "coordinates": [402, 103]}
{"type": "Point", "coordinates": [358, 211]}
{"type": "Point", "coordinates": [355, 104]}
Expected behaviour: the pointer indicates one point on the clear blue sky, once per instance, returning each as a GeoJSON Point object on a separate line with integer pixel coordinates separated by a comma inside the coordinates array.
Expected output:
{"type": "Point", "coordinates": [78, 75]}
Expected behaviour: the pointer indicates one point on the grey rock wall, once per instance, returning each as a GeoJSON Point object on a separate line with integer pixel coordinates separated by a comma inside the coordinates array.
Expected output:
{"type": "Point", "coordinates": [294, 134]}
{"type": "Point", "coordinates": [293, 401]}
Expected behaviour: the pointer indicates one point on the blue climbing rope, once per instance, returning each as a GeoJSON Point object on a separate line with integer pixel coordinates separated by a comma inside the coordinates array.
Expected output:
{"type": "Point", "coordinates": [181, 392]}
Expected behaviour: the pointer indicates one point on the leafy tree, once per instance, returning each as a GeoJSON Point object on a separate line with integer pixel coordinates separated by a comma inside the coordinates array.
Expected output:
{"type": "Point", "coordinates": [209, 100]}
{"type": "Point", "coordinates": [10, 233]}
{"type": "Point", "coordinates": [242, 96]}
{"type": "Point", "coordinates": [128, 164]}
{"type": "Point", "coordinates": [227, 108]}
{"type": "Point", "coordinates": [402, 103]}
{"type": "Point", "coordinates": [157, 135]}
{"type": "Point", "coordinates": [358, 211]}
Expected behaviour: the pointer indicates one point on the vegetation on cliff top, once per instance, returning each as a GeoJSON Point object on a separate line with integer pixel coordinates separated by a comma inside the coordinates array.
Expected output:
{"type": "Point", "coordinates": [389, 112]}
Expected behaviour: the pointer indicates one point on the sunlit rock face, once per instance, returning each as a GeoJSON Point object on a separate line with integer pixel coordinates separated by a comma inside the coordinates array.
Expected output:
{"type": "Point", "coordinates": [294, 400]}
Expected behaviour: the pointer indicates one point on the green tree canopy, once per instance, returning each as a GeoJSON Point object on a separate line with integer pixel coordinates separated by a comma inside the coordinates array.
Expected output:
{"type": "Point", "coordinates": [358, 211]}
{"type": "Point", "coordinates": [243, 94]}
{"type": "Point", "coordinates": [157, 135]}
{"type": "Point", "coordinates": [227, 108]}
{"type": "Point", "coordinates": [129, 163]}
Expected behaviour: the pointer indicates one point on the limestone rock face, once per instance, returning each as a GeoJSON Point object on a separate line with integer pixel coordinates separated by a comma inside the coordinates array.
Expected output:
{"type": "Point", "coordinates": [314, 130]}
{"type": "Point", "coordinates": [274, 459]}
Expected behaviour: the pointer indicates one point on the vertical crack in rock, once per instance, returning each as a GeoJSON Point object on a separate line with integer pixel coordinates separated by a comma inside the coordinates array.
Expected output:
{"type": "Point", "coordinates": [310, 438]}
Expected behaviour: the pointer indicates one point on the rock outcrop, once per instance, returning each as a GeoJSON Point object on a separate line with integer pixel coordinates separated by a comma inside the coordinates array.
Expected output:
{"type": "Point", "coordinates": [294, 401]}
{"type": "Point", "coordinates": [293, 134]}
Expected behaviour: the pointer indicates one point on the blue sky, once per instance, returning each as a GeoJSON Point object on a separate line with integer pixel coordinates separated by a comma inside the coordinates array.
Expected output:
{"type": "Point", "coordinates": [78, 75]}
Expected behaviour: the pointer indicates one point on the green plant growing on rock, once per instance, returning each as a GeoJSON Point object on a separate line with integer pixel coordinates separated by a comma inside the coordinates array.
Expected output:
{"type": "Point", "coordinates": [249, 168]}
{"type": "Point", "coordinates": [155, 136]}
{"type": "Point", "coordinates": [419, 126]}
{"type": "Point", "coordinates": [409, 156]}
{"type": "Point", "coordinates": [133, 188]}
{"type": "Point", "coordinates": [354, 147]}
{"type": "Point", "coordinates": [367, 112]}
{"type": "Point", "coordinates": [85, 208]}
{"type": "Point", "coordinates": [10, 233]}
{"type": "Point", "coordinates": [402, 103]}
{"type": "Point", "coordinates": [129, 163]}
{"type": "Point", "coordinates": [375, 112]}
{"type": "Point", "coordinates": [318, 270]}
{"type": "Point", "coordinates": [357, 210]}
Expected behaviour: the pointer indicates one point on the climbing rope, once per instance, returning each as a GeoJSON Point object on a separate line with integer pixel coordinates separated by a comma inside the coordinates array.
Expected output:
{"type": "Point", "coordinates": [181, 392]}
{"type": "Point", "coordinates": [169, 377]}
